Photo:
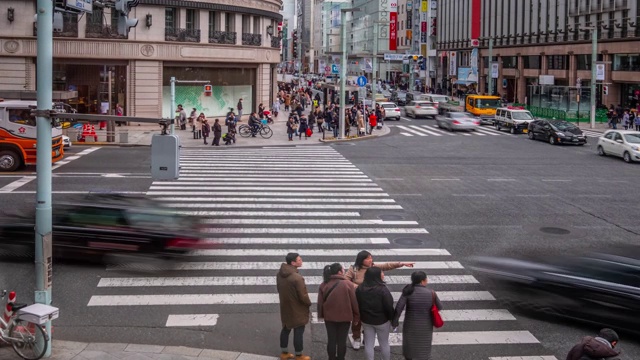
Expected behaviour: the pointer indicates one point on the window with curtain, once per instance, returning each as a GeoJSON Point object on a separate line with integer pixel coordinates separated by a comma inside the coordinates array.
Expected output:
{"type": "Point", "coordinates": [256, 25]}
{"type": "Point", "coordinates": [229, 22]}
{"type": "Point", "coordinates": [213, 22]}
{"type": "Point", "coordinates": [170, 18]}
{"type": "Point", "coordinates": [192, 19]}
{"type": "Point", "coordinates": [246, 24]}
{"type": "Point", "coordinates": [558, 62]}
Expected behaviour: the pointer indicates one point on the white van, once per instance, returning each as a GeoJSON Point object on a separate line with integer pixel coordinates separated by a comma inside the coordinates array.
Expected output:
{"type": "Point", "coordinates": [514, 118]}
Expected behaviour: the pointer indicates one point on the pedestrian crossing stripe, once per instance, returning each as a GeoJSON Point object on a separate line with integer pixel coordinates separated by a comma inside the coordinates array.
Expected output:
{"type": "Point", "coordinates": [456, 315]}
{"type": "Point", "coordinates": [433, 130]}
{"type": "Point", "coordinates": [524, 358]}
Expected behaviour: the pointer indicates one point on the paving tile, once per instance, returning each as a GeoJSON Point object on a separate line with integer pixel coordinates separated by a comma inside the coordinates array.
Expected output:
{"type": "Point", "coordinates": [107, 347]}
{"type": "Point", "coordinates": [96, 355]}
{"type": "Point", "coordinates": [181, 350]}
{"type": "Point", "coordinates": [219, 354]}
{"type": "Point", "coordinates": [136, 356]}
{"type": "Point", "coordinates": [144, 348]}
{"type": "Point", "coordinates": [245, 356]}
{"type": "Point", "coordinates": [68, 345]}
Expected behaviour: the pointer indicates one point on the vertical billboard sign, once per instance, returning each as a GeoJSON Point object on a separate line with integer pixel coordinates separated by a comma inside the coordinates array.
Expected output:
{"type": "Point", "coordinates": [453, 64]}
{"type": "Point", "coordinates": [424, 8]}
{"type": "Point", "coordinates": [393, 25]}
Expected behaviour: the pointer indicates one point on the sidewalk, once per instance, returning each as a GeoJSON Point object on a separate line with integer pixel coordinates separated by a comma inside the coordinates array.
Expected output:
{"type": "Point", "coordinates": [67, 350]}
{"type": "Point", "coordinates": [140, 134]}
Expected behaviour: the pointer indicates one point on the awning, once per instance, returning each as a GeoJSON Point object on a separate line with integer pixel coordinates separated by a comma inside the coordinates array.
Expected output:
{"type": "Point", "coordinates": [462, 82]}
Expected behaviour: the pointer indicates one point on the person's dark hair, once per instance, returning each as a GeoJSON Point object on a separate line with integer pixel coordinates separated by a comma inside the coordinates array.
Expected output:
{"type": "Point", "coordinates": [362, 255]}
{"type": "Point", "coordinates": [373, 277]}
{"type": "Point", "coordinates": [416, 278]}
{"type": "Point", "coordinates": [330, 270]}
{"type": "Point", "coordinates": [291, 257]}
{"type": "Point", "coordinates": [609, 335]}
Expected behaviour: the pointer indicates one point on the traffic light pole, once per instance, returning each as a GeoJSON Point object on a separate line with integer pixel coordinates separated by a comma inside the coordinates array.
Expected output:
{"type": "Point", "coordinates": [594, 59]}
{"type": "Point", "coordinates": [343, 73]}
{"type": "Point", "coordinates": [43, 228]}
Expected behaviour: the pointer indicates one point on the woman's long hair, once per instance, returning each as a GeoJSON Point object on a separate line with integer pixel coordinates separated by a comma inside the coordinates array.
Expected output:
{"type": "Point", "coordinates": [360, 258]}
{"type": "Point", "coordinates": [416, 278]}
{"type": "Point", "coordinates": [373, 277]}
{"type": "Point", "coordinates": [330, 270]}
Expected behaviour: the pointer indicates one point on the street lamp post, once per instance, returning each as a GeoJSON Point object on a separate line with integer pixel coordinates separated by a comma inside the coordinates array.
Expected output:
{"type": "Point", "coordinates": [594, 58]}
{"type": "Point", "coordinates": [343, 69]}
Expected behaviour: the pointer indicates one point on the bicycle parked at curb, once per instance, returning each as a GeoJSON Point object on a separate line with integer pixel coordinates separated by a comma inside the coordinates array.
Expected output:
{"type": "Point", "coordinates": [23, 328]}
{"type": "Point", "coordinates": [263, 129]}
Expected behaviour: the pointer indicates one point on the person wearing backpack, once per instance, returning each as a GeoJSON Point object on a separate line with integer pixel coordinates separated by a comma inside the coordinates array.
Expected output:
{"type": "Point", "coordinates": [338, 306]}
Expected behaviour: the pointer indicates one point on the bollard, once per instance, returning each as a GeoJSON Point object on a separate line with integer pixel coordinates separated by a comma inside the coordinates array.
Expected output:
{"type": "Point", "coordinates": [124, 136]}
{"type": "Point", "coordinates": [8, 310]}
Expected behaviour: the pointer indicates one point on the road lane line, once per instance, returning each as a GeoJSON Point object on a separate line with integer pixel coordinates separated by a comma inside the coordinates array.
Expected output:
{"type": "Point", "coordinates": [258, 281]}
{"type": "Point", "coordinates": [247, 299]}
{"type": "Point", "coordinates": [192, 320]}
{"type": "Point", "coordinates": [456, 315]}
{"type": "Point", "coordinates": [307, 231]}
{"type": "Point", "coordinates": [316, 252]}
{"type": "Point", "coordinates": [451, 179]}
{"type": "Point", "coordinates": [556, 180]}
{"type": "Point", "coordinates": [489, 132]}
{"type": "Point", "coordinates": [296, 241]}
{"type": "Point", "coordinates": [285, 206]}
{"type": "Point", "coordinates": [423, 129]}
{"type": "Point", "coordinates": [270, 180]}
{"type": "Point", "coordinates": [308, 222]}
{"type": "Point", "coordinates": [501, 179]}
{"type": "Point", "coordinates": [17, 184]}
{"type": "Point", "coordinates": [274, 172]}
{"type": "Point", "coordinates": [202, 195]}
{"type": "Point", "coordinates": [262, 265]}
{"type": "Point", "coordinates": [437, 129]}
{"type": "Point", "coordinates": [266, 189]}
{"type": "Point", "coordinates": [214, 184]}
{"type": "Point", "coordinates": [405, 134]}
{"type": "Point", "coordinates": [339, 214]}
{"type": "Point", "coordinates": [524, 358]}
{"type": "Point", "coordinates": [474, 338]}
{"type": "Point", "coordinates": [287, 200]}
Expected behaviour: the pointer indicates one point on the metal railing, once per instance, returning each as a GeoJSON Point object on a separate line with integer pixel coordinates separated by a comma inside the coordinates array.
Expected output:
{"type": "Point", "coordinates": [69, 29]}
{"type": "Point", "coordinates": [182, 35]}
{"type": "Point", "coordinates": [572, 116]}
{"type": "Point", "coordinates": [103, 31]}
{"type": "Point", "coordinates": [275, 42]}
{"type": "Point", "coordinates": [251, 39]}
{"type": "Point", "coordinates": [222, 37]}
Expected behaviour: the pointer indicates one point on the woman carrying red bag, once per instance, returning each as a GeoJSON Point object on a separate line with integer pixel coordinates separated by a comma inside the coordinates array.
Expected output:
{"type": "Point", "coordinates": [420, 317]}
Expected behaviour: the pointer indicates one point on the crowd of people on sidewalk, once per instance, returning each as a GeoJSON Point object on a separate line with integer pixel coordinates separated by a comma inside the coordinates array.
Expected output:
{"type": "Point", "coordinates": [358, 299]}
{"type": "Point", "coordinates": [629, 118]}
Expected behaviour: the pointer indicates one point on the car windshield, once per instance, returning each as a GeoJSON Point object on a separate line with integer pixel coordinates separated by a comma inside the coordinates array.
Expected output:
{"type": "Point", "coordinates": [439, 98]}
{"type": "Point", "coordinates": [562, 125]}
{"type": "Point", "coordinates": [522, 115]}
{"type": "Point", "coordinates": [160, 219]}
{"type": "Point", "coordinates": [488, 103]}
{"type": "Point", "coordinates": [632, 138]}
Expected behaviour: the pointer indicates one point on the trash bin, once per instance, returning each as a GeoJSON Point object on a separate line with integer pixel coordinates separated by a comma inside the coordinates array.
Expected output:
{"type": "Point", "coordinates": [124, 136]}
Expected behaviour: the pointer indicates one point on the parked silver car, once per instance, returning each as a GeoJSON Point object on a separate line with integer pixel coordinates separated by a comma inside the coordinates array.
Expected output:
{"type": "Point", "coordinates": [457, 121]}
{"type": "Point", "coordinates": [392, 111]}
{"type": "Point", "coordinates": [421, 108]}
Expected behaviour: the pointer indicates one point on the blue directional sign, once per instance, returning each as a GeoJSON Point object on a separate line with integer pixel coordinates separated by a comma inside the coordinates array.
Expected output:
{"type": "Point", "coordinates": [362, 81]}
{"type": "Point", "coordinates": [335, 69]}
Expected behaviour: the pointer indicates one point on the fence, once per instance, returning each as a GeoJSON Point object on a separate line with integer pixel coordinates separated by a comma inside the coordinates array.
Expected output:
{"type": "Point", "coordinates": [571, 116]}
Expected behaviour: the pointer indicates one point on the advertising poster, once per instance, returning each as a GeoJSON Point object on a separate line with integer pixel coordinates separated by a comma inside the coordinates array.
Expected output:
{"type": "Point", "coordinates": [453, 63]}
{"type": "Point", "coordinates": [393, 30]}
{"type": "Point", "coordinates": [223, 97]}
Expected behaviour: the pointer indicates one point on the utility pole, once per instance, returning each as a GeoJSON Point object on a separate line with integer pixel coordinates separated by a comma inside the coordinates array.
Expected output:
{"type": "Point", "coordinates": [594, 59]}
{"type": "Point", "coordinates": [343, 72]}
{"type": "Point", "coordinates": [374, 84]}
{"type": "Point", "coordinates": [490, 92]}
{"type": "Point", "coordinates": [43, 228]}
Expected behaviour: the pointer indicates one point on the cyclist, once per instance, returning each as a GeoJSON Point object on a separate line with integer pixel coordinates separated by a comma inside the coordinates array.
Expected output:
{"type": "Point", "coordinates": [254, 123]}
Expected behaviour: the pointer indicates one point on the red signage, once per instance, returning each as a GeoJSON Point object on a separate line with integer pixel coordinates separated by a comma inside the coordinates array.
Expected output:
{"type": "Point", "coordinates": [476, 16]}
{"type": "Point", "coordinates": [393, 30]}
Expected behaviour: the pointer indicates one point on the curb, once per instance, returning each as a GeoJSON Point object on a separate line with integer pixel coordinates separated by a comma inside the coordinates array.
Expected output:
{"type": "Point", "coordinates": [106, 144]}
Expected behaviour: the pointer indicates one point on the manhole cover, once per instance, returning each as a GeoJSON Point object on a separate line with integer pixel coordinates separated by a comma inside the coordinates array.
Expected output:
{"type": "Point", "coordinates": [555, 231]}
{"type": "Point", "coordinates": [391, 217]}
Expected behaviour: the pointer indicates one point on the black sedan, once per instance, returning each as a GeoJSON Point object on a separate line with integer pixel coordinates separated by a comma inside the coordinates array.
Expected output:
{"type": "Point", "coordinates": [107, 227]}
{"type": "Point", "coordinates": [601, 288]}
{"type": "Point", "coordinates": [556, 132]}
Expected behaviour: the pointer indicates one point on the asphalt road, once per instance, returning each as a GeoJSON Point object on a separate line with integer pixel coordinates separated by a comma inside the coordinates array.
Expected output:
{"type": "Point", "coordinates": [476, 195]}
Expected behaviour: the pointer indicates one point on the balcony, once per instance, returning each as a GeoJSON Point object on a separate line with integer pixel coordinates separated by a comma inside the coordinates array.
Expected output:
{"type": "Point", "coordinates": [222, 37]}
{"type": "Point", "coordinates": [182, 35]}
{"type": "Point", "coordinates": [275, 42]}
{"type": "Point", "coordinates": [101, 31]}
{"type": "Point", "coordinates": [69, 29]}
{"type": "Point", "coordinates": [252, 39]}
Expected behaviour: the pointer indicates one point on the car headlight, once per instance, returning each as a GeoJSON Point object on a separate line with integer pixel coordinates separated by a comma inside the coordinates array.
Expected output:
{"type": "Point", "coordinates": [560, 134]}
{"type": "Point", "coordinates": [635, 148]}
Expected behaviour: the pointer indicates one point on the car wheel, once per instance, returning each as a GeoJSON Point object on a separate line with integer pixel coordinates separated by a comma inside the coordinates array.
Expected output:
{"type": "Point", "coordinates": [626, 157]}
{"type": "Point", "coordinates": [531, 136]}
{"type": "Point", "coordinates": [552, 140]}
{"type": "Point", "coordinates": [398, 118]}
{"type": "Point", "coordinates": [497, 126]}
{"type": "Point", "coordinates": [601, 151]}
{"type": "Point", "coordinates": [9, 160]}
{"type": "Point", "coordinates": [512, 130]}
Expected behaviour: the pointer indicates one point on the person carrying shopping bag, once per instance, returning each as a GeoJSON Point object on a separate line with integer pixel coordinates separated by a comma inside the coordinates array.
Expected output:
{"type": "Point", "coordinates": [376, 312]}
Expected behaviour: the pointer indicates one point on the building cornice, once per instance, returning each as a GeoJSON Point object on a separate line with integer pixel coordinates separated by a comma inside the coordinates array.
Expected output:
{"type": "Point", "coordinates": [251, 8]}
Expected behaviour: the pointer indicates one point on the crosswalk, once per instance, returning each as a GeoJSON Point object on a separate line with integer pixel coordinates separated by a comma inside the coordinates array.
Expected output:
{"type": "Point", "coordinates": [433, 130]}
{"type": "Point", "coordinates": [259, 204]}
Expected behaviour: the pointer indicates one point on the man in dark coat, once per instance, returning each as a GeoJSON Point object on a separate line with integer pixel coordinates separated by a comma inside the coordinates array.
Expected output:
{"type": "Point", "coordinates": [217, 133]}
{"type": "Point", "coordinates": [294, 306]}
{"type": "Point", "coordinates": [600, 347]}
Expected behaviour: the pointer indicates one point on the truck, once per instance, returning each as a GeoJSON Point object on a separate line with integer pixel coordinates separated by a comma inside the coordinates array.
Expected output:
{"type": "Point", "coordinates": [18, 136]}
{"type": "Point", "coordinates": [483, 107]}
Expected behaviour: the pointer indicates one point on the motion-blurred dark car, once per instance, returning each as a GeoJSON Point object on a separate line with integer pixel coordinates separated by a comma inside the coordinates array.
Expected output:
{"type": "Point", "coordinates": [598, 288]}
{"type": "Point", "coordinates": [556, 132]}
{"type": "Point", "coordinates": [101, 225]}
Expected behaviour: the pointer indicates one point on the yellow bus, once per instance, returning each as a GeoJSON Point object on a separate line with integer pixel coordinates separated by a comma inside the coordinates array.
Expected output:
{"type": "Point", "coordinates": [483, 106]}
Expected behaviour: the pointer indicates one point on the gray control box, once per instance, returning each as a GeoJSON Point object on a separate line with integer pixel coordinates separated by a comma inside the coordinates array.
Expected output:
{"type": "Point", "coordinates": [165, 157]}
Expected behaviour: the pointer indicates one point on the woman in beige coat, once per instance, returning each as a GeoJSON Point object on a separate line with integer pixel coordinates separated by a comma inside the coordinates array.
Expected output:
{"type": "Point", "coordinates": [355, 274]}
{"type": "Point", "coordinates": [360, 119]}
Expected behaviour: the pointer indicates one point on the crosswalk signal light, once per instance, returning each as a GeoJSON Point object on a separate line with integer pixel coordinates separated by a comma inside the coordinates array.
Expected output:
{"type": "Point", "coordinates": [124, 22]}
{"type": "Point", "coordinates": [208, 90]}
{"type": "Point", "coordinates": [605, 90]}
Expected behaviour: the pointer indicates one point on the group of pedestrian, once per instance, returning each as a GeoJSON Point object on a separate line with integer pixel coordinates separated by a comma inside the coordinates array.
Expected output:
{"type": "Point", "coordinates": [626, 117]}
{"type": "Point", "coordinates": [356, 299]}
{"type": "Point", "coordinates": [217, 131]}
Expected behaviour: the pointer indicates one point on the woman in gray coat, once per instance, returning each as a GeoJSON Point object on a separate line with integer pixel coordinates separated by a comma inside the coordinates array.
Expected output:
{"type": "Point", "coordinates": [417, 331]}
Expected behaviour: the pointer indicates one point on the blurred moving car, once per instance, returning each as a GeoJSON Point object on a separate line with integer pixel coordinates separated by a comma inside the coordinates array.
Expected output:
{"type": "Point", "coordinates": [601, 288]}
{"type": "Point", "coordinates": [391, 111]}
{"type": "Point", "coordinates": [66, 142]}
{"type": "Point", "coordinates": [436, 99]}
{"type": "Point", "coordinates": [103, 226]}
{"type": "Point", "coordinates": [623, 143]}
{"type": "Point", "coordinates": [399, 97]}
{"type": "Point", "coordinates": [556, 132]}
{"type": "Point", "coordinates": [453, 121]}
{"type": "Point", "coordinates": [420, 108]}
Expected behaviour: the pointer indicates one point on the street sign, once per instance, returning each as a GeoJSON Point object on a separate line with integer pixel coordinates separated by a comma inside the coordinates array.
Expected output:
{"type": "Point", "coordinates": [327, 68]}
{"type": "Point", "coordinates": [335, 69]}
{"type": "Point", "coordinates": [362, 81]}
{"type": "Point", "coordinates": [80, 5]}
{"type": "Point", "coordinates": [600, 72]}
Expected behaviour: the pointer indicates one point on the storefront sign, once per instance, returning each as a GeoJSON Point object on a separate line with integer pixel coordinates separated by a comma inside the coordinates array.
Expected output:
{"type": "Point", "coordinates": [393, 30]}
{"type": "Point", "coordinates": [600, 72]}
{"type": "Point", "coordinates": [495, 69]}
{"type": "Point", "coordinates": [409, 20]}
{"type": "Point", "coordinates": [425, 6]}
{"type": "Point", "coordinates": [453, 63]}
{"type": "Point", "coordinates": [423, 32]}
{"type": "Point", "coordinates": [393, 57]}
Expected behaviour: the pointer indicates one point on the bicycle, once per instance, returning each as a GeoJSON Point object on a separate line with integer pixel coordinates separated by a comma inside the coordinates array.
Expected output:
{"type": "Point", "coordinates": [264, 131]}
{"type": "Point", "coordinates": [24, 327]}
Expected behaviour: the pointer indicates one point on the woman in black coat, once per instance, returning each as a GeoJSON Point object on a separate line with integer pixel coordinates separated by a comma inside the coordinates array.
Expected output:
{"type": "Point", "coordinates": [304, 125]}
{"type": "Point", "coordinates": [205, 130]}
{"type": "Point", "coordinates": [376, 312]}
{"type": "Point", "coordinates": [217, 133]}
